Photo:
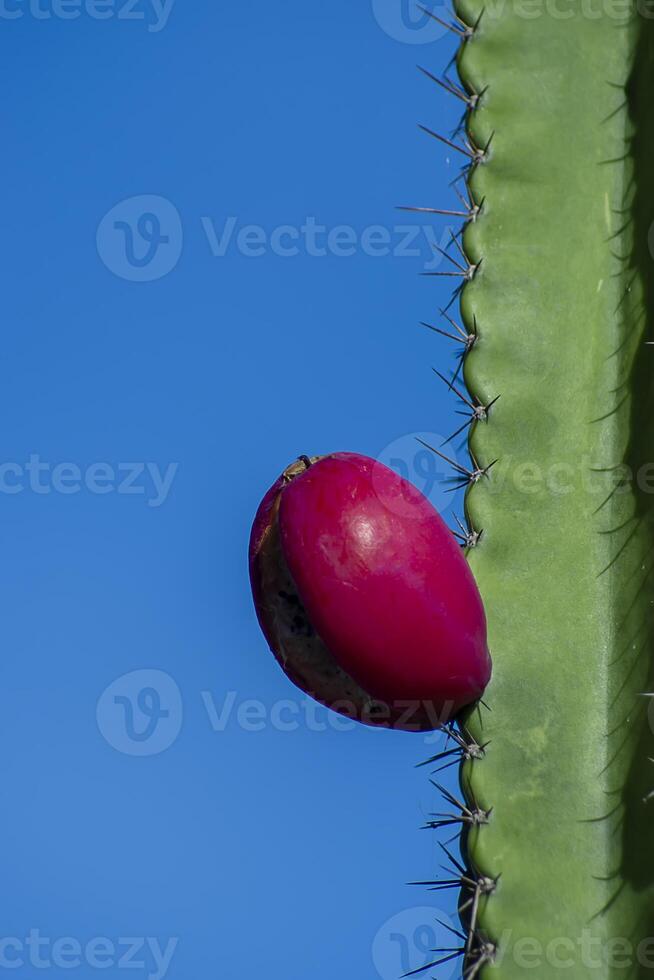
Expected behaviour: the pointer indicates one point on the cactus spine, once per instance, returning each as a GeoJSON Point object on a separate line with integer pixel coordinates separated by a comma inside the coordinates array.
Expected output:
{"type": "Point", "coordinates": [560, 147]}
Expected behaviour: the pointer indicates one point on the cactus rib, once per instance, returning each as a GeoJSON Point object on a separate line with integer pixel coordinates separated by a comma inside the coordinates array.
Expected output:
{"type": "Point", "coordinates": [558, 293]}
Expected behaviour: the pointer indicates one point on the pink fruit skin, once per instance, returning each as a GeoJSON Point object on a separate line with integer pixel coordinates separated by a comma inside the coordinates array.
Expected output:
{"type": "Point", "coordinates": [385, 584]}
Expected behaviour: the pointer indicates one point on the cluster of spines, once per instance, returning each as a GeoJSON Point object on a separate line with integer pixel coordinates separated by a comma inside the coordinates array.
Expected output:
{"type": "Point", "coordinates": [472, 947]}
{"type": "Point", "coordinates": [462, 268]}
{"type": "Point", "coordinates": [475, 949]}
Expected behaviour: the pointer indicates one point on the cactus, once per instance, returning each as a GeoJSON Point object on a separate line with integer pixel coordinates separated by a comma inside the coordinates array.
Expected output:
{"type": "Point", "coordinates": [556, 316]}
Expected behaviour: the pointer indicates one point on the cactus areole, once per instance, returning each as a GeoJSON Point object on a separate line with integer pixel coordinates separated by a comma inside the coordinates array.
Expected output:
{"type": "Point", "coordinates": [364, 595]}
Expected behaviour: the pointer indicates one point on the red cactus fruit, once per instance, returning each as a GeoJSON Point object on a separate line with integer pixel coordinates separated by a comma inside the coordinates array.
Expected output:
{"type": "Point", "coordinates": [364, 595]}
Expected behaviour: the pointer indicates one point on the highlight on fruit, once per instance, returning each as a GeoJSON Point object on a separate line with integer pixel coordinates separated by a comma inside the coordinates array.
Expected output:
{"type": "Point", "coordinates": [364, 595]}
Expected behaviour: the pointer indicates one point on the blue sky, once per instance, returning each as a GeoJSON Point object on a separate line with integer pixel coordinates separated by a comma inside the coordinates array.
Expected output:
{"type": "Point", "coordinates": [204, 276]}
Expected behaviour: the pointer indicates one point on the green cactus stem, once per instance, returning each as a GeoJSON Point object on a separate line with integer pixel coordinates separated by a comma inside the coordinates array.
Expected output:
{"type": "Point", "coordinates": [561, 152]}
